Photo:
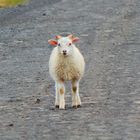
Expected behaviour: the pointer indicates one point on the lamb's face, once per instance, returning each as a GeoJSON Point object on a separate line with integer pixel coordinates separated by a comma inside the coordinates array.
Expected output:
{"type": "Point", "coordinates": [65, 46]}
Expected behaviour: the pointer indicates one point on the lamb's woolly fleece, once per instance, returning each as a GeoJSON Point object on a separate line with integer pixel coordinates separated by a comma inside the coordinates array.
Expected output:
{"type": "Point", "coordinates": [66, 67]}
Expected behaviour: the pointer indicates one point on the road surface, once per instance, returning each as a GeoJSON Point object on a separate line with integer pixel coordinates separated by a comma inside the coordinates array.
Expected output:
{"type": "Point", "coordinates": [109, 32]}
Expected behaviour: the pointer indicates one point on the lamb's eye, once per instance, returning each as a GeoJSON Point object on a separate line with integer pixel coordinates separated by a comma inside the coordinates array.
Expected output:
{"type": "Point", "coordinates": [69, 44]}
{"type": "Point", "coordinates": [59, 44]}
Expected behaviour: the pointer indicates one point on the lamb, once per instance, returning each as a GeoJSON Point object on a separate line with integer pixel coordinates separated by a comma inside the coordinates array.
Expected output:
{"type": "Point", "coordinates": [66, 64]}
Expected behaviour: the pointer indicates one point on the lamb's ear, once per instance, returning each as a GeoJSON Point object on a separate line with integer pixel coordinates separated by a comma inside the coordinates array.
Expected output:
{"type": "Point", "coordinates": [52, 42]}
{"type": "Point", "coordinates": [75, 39]}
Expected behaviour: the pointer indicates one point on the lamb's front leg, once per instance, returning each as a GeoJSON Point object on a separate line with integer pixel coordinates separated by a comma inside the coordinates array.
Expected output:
{"type": "Point", "coordinates": [76, 101]}
{"type": "Point", "coordinates": [56, 95]}
{"type": "Point", "coordinates": [61, 91]}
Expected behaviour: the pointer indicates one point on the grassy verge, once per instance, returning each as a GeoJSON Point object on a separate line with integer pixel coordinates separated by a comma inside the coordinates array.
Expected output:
{"type": "Point", "coordinates": [11, 3]}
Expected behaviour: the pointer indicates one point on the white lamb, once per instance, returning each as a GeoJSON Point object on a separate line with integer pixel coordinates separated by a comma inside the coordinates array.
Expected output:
{"type": "Point", "coordinates": [66, 64]}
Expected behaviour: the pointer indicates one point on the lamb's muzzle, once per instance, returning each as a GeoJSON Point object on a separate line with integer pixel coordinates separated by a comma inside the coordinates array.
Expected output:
{"type": "Point", "coordinates": [62, 68]}
{"type": "Point", "coordinates": [64, 52]}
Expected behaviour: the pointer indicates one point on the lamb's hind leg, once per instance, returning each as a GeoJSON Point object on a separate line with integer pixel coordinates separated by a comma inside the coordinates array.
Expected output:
{"type": "Point", "coordinates": [76, 101]}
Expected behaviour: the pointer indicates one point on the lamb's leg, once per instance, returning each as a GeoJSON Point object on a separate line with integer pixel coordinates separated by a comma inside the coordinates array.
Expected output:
{"type": "Point", "coordinates": [56, 96]}
{"type": "Point", "coordinates": [61, 90]}
{"type": "Point", "coordinates": [76, 101]}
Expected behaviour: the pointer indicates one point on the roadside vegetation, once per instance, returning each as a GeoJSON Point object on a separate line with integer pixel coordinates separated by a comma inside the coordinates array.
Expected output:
{"type": "Point", "coordinates": [11, 3]}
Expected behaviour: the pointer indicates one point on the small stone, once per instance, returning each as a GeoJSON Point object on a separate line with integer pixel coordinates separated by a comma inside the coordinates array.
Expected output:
{"type": "Point", "coordinates": [37, 101]}
{"type": "Point", "coordinates": [44, 14]}
{"type": "Point", "coordinates": [11, 124]}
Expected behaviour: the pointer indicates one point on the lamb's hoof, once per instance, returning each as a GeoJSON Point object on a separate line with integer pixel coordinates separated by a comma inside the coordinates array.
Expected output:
{"type": "Point", "coordinates": [56, 106]}
{"type": "Point", "coordinates": [78, 106]}
{"type": "Point", "coordinates": [74, 106]}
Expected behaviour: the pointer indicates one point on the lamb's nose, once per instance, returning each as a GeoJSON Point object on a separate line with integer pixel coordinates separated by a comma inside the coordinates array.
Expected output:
{"type": "Point", "coordinates": [64, 52]}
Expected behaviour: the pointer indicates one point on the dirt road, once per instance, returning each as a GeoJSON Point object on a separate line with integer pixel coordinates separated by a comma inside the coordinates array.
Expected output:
{"type": "Point", "coordinates": [110, 42]}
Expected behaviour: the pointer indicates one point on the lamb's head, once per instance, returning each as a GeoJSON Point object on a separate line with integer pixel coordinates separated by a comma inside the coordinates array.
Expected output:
{"type": "Point", "coordinates": [65, 44]}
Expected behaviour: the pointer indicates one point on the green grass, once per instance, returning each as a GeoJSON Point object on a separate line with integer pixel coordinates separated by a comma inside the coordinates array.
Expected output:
{"type": "Point", "coordinates": [11, 3]}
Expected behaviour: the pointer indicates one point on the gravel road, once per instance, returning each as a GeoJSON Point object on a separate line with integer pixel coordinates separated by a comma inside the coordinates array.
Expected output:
{"type": "Point", "coordinates": [109, 32]}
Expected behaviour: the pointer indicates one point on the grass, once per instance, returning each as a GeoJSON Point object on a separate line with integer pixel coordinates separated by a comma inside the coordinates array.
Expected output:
{"type": "Point", "coordinates": [11, 3]}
